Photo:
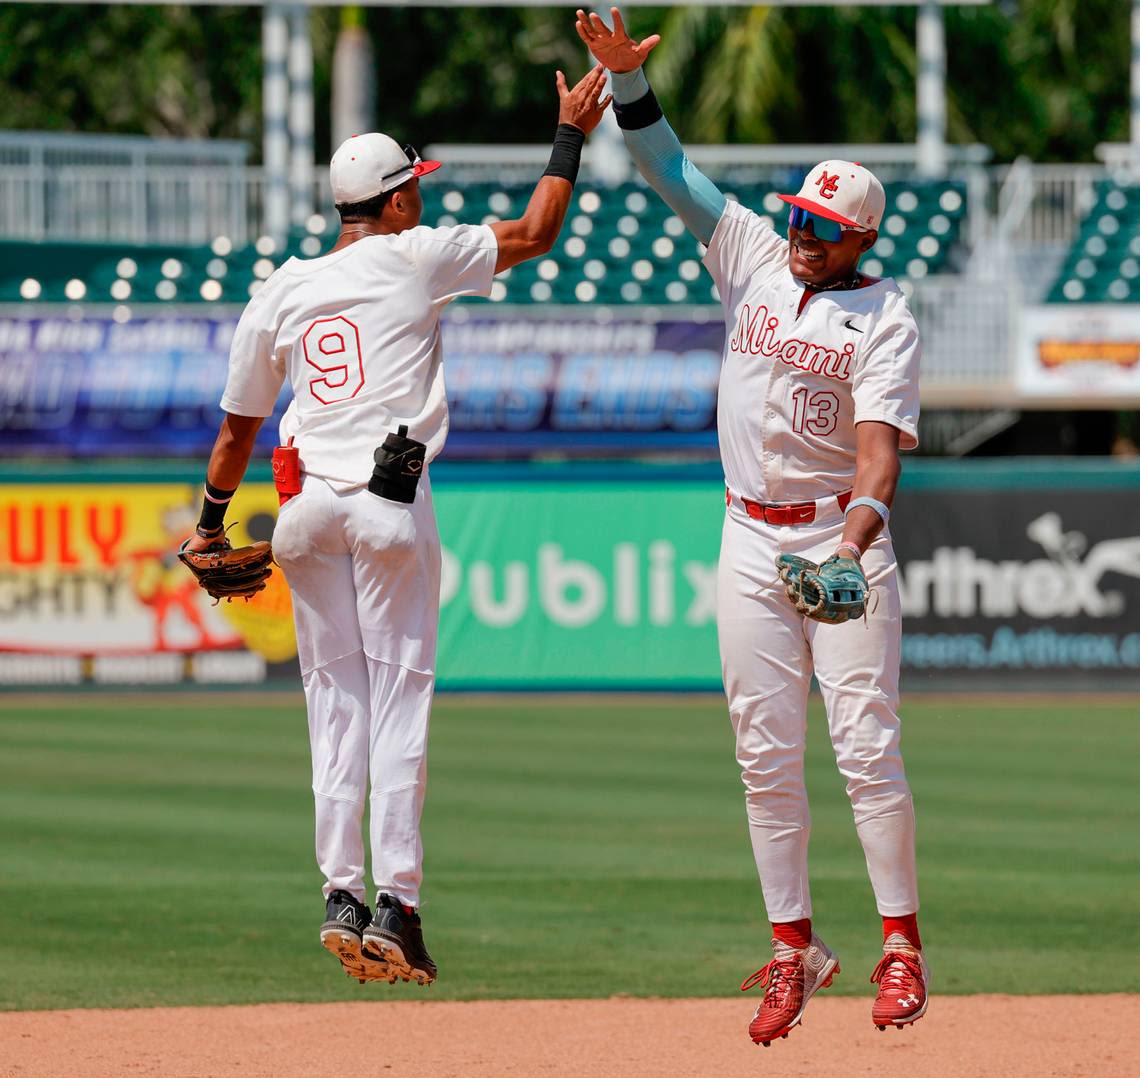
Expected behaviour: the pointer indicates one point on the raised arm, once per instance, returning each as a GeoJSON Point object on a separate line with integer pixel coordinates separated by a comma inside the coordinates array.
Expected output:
{"type": "Point", "coordinates": [533, 234]}
{"type": "Point", "coordinates": [653, 145]}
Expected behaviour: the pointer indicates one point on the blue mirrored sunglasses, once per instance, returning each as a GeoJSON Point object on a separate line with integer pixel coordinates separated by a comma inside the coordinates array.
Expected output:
{"type": "Point", "coordinates": [823, 227]}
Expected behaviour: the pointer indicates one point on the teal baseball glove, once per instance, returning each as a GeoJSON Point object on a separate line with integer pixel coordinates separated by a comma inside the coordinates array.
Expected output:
{"type": "Point", "coordinates": [833, 592]}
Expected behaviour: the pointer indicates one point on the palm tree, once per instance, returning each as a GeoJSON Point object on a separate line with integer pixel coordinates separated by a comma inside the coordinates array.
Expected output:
{"type": "Point", "coordinates": [1044, 78]}
{"type": "Point", "coordinates": [775, 74]}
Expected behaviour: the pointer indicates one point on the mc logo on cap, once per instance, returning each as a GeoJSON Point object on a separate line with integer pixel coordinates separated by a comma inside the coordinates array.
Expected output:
{"type": "Point", "coordinates": [842, 191]}
{"type": "Point", "coordinates": [827, 185]}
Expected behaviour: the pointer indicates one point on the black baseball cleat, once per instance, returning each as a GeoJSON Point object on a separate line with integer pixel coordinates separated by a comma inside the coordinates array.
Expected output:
{"type": "Point", "coordinates": [396, 938]}
{"type": "Point", "coordinates": [345, 921]}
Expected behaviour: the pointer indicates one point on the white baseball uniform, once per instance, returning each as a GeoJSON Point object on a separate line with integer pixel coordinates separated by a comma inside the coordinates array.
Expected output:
{"type": "Point", "coordinates": [797, 378]}
{"type": "Point", "coordinates": [801, 369]}
{"type": "Point", "coordinates": [357, 334]}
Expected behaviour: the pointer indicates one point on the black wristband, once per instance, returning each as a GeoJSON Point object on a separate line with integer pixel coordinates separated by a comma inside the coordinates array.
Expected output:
{"type": "Point", "coordinates": [214, 505]}
{"type": "Point", "coordinates": [638, 114]}
{"type": "Point", "coordinates": [566, 154]}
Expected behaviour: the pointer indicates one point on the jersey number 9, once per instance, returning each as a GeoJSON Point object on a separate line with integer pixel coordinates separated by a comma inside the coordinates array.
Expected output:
{"type": "Point", "coordinates": [332, 346]}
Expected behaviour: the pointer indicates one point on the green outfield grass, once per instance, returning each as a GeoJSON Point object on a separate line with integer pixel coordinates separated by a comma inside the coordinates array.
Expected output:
{"type": "Point", "coordinates": [160, 852]}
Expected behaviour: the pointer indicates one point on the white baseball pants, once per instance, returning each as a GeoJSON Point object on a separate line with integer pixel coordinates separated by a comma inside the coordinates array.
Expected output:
{"type": "Point", "coordinates": [363, 572]}
{"type": "Point", "coordinates": [768, 654]}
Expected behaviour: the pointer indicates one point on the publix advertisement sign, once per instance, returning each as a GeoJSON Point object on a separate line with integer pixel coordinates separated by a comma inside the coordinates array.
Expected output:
{"type": "Point", "coordinates": [569, 584]}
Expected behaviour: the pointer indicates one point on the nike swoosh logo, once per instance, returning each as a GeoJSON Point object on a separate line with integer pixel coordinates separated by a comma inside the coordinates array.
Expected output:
{"type": "Point", "coordinates": [849, 325]}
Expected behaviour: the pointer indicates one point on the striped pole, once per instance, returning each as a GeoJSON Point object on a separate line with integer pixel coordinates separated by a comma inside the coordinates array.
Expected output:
{"type": "Point", "coordinates": [300, 114]}
{"type": "Point", "coordinates": [275, 105]}
{"type": "Point", "coordinates": [931, 105]}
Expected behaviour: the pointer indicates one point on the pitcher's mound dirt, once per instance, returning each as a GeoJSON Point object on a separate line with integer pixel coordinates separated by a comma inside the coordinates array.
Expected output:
{"type": "Point", "coordinates": [961, 1037]}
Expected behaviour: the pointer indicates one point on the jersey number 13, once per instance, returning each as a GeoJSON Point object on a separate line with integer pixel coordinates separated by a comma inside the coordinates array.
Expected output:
{"type": "Point", "coordinates": [815, 413]}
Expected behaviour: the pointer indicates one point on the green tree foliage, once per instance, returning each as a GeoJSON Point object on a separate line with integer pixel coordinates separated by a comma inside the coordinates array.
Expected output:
{"type": "Point", "coordinates": [472, 74]}
{"type": "Point", "coordinates": [1051, 83]}
{"type": "Point", "coordinates": [192, 72]}
{"type": "Point", "coordinates": [1043, 78]}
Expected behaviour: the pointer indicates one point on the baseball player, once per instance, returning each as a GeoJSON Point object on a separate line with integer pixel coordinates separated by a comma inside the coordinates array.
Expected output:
{"type": "Point", "coordinates": [818, 393]}
{"type": "Point", "coordinates": [356, 333]}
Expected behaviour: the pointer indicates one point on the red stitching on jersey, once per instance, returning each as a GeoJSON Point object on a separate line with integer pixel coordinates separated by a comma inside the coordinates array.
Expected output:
{"type": "Point", "coordinates": [756, 334]}
{"type": "Point", "coordinates": [817, 413]}
{"type": "Point", "coordinates": [321, 345]}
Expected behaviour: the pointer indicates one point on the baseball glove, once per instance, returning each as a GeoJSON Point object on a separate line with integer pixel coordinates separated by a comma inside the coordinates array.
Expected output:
{"type": "Point", "coordinates": [833, 592]}
{"type": "Point", "coordinates": [227, 573]}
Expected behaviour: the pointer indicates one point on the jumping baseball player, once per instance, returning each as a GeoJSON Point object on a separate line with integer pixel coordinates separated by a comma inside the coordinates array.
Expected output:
{"type": "Point", "coordinates": [356, 333]}
{"type": "Point", "coordinates": [818, 393]}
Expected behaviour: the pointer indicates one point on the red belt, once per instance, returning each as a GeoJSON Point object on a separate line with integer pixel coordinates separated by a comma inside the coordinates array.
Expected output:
{"type": "Point", "coordinates": [784, 515]}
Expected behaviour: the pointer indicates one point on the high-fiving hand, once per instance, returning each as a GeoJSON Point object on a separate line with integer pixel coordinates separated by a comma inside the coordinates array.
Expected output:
{"type": "Point", "coordinates": [613, 49]}
{"type": "Point", "coordinates": [580, 106]}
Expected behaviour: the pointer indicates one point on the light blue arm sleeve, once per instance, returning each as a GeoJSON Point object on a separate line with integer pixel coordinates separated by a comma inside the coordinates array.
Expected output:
{"type": "Point", "coordinates": [661, 159]}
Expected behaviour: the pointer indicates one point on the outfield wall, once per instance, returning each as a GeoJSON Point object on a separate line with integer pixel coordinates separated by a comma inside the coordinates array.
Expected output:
{"type": "Point", "coordinates": [585, 575]}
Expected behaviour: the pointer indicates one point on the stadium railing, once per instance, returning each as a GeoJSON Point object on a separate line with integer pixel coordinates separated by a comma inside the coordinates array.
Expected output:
{"type": "Point", "coordinates": [121, 187]}
{"type": "Point", "coordinates": [135, 189]}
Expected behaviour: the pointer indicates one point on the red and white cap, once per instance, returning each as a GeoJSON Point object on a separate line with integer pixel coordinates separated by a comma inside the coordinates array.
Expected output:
{"type": "Point", "coordinates": [368, 165]}
{"type": "Point", "coordinates": [842, 191]}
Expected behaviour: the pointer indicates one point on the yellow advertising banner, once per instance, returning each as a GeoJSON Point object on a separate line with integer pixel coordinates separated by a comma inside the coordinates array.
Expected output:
{"type": "Point", "coordinates": [90, 574]}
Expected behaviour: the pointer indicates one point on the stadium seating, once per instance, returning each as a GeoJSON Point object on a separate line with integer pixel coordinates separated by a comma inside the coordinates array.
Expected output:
{"type": "Point", "coordinates": [1103, 265]}
{"type": "Point", "coordinates": [625, 245]}
{"type": "Point", "coordinates": [113, 273]}
{"type": "Point", "coordinates": [619, 245]}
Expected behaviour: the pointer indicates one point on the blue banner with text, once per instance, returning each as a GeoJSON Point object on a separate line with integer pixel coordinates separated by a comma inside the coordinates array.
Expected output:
{"type": "Point", "coordinates": [517, 385]}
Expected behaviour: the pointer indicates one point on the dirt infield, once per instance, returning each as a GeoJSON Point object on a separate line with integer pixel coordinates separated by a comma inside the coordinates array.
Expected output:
{"type": "Point", "coordinates": [961, 1037]}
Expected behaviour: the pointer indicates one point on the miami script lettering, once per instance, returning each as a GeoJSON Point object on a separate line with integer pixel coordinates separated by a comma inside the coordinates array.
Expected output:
{"type": "Point", "coordinates": [757, 334]}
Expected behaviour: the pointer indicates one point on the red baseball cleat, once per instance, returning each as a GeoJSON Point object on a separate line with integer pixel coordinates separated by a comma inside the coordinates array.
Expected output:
{"type": "Point", "coordinates": [789, 981]}
{"type": "Point", "coordinates": [903, 979]}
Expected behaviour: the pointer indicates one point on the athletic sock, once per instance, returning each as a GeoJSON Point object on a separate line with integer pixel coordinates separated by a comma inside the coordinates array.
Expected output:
{"type": "Point", "coordinates": [794, 933]}
{"type": "Point", "coordinates": [906, 926]}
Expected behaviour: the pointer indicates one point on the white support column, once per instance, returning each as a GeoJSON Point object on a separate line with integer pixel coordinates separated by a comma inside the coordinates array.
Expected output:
{"type": "Point", "coordinates": [300, 114]}
{"type": "Point", "coordinates": [353, 79]}
{"type": "Point", "coordinates": [931, 106]}
{"type": "Point", "coordinates": [1136, 81]}
{"type": "Point", "coordinates": [275, 107]}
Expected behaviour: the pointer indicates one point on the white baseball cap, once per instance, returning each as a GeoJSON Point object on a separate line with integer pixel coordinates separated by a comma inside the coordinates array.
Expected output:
{"type": "Point", "coordinates": [842, 191]}
{"type": "Point", "coordinates": [368, 165]}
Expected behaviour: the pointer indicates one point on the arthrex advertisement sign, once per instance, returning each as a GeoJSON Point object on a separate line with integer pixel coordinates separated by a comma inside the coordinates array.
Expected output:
{"type": "Point", "coordinates": [1034, 585]}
